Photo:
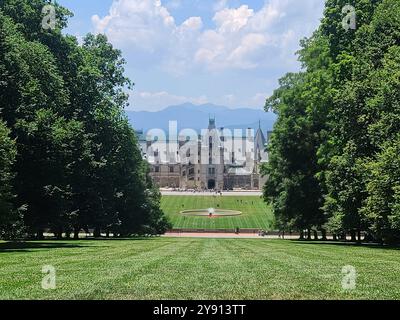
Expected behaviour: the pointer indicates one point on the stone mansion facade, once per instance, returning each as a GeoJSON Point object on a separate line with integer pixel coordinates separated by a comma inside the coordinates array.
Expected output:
{"type": "Point", "coordinates": [216, 159]}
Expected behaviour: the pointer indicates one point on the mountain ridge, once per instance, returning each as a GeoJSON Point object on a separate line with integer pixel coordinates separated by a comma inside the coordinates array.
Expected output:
{"type": "Point", "coordinates": [196, 117]}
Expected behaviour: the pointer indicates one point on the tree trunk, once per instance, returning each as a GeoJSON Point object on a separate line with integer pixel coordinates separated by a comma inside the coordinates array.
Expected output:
{"type": "Point", "coordinates": [323, 231]}
{"type": "Point", "coordinates": [301, 235]}
{"type": "Point", "coordinates": [359, 235]}
{"type": "Point", "coordinates": [308, 234]}
{"type": "Point", "coordinates": [107, 233]}
{"type": "Point", "coordinates": [59, 232]}
{"type": "Point", "coordinates": [353, 236]}
{"type": "Point", "coordinates": [76, 233]}
{"type": "Point", "coordinates": [39, 235]}
{"type": "Point", "coordinates": [334, 237]}
{"type": "Point", "coordinates": [97, 232]}
{"type": "Point", "coordinates": [315, 234]}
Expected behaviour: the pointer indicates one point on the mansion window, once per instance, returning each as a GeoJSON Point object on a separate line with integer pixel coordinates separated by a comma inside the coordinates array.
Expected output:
{"type": "Point", "coordinates": [157, 169]}
{"type": "Point", "coordinates": [256, 184]}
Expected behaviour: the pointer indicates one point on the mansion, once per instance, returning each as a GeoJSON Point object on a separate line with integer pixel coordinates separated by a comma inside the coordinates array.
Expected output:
{"type": "Point", "coordinates": [216, 159]}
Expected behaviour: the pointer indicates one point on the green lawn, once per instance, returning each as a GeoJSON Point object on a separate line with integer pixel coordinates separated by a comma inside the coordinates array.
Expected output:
{"type": "Point", "coordinates": [188, 268]}
{"type": "Point", "coordinates": [255, 213]}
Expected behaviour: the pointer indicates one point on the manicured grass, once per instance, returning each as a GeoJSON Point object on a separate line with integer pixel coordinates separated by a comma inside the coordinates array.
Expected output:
{"type": "Point", "coordinates": [255, 213]}
{"type": "Point", "coordinates": [189, 268]}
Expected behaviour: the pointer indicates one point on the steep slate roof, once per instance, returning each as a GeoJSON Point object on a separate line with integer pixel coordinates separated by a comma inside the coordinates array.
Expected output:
{"type": "Point", "coordinates": [260, 146]}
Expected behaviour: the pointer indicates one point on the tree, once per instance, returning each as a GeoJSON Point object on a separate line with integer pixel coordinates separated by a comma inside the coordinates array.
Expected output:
{"type": "Point", "coordinates": [78, 163]}
{"type": "Point", "coordinates": [292, 186]}
{"type": "Point", "coordinates": [345, 104]}
{"type": "Point", "coordinates": [382, 207]}
{"type": "Point", "coordinates": [7, 158]}
{"type": "Point", "coordinates": [358, 119]}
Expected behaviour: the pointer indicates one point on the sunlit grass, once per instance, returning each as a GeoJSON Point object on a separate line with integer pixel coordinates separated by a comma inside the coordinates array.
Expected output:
{"type": "Point", "coordinates": [255, 213]}
{"type": "Point", "coordinates": [188, 268]}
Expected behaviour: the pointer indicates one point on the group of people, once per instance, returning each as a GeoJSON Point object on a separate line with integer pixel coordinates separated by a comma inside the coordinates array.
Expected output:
{"type": "Point", "coordinates": [203, 191]}
{"type": "Point", "coordinates": [245, 202]}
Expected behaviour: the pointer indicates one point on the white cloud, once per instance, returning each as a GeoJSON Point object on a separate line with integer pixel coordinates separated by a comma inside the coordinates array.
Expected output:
{"type": "Point", "coordinates": [241, 39]}
{"type": "Point", "coordinates": [143, 24]}
{"type": "Point", "coordinates": [193, 23]}
{"type": "Point", "coordinates": [232, 20]}
{"type": "Point", "coordinates": [155, 101]}
{"type": "Point", "coordinates": [234, 43]}
{"type": "Point", "coordinates": [259, 99]}
{"type": "Point", "coordinates": [100, 24]}
{"type": "Point", "coordinates": [230, 97]}
{"type": "Point", "coordinates": [146, 27]}
{"type": "Point", "coordinates": [249, 44]}
{"type": "Point", "coordinates": [270, 14]}
{"type": "Point", "coordinates": [220, 4]}
{"type": "Point", "coordinates": [260, 42]}
{"type": "Point", "coordinates": [229, 100]}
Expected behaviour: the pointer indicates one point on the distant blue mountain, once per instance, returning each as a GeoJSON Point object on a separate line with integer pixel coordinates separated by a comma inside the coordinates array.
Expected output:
{"type": "Point", "coordinates": [196, 117]}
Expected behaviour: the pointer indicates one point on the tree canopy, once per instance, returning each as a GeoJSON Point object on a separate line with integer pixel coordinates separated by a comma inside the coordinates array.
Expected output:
{"type": "Point", "coordinates": [68, 155]}
{"type": "Point", "coordinates": [338, 122]}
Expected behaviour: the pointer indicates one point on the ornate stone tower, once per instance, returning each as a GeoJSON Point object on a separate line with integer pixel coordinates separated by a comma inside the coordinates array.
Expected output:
{"type": "Point", "coordinates": [212, 158]}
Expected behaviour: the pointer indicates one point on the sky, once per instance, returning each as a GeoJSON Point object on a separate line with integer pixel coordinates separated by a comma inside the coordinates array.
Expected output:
{"type": "Point", "coordinates": [226, 52]}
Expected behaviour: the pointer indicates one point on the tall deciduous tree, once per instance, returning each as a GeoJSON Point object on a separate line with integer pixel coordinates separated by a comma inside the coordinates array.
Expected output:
{"type": "Point", "coordinates": [7, 158]}
{"type": "Point", "coordinates": [78, 163]}
{"type": "Point", "coordinates": [345, 104]}
{"type": "Point", "coordinates": [292, 185]}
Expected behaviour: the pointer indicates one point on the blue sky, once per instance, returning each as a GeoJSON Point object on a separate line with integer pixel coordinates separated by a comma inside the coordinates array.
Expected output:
{"type": "Point", "coordinates": [227, 52]}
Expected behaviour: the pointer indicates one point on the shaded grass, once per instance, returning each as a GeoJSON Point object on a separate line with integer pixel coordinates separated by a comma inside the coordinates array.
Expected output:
{"type": "Point", "coordinates": [189, 268]}
{"type": "Point", "coordinates": [255, 213]}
